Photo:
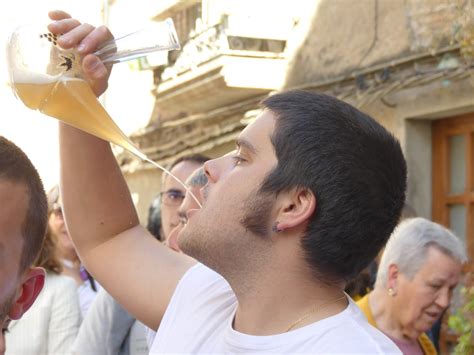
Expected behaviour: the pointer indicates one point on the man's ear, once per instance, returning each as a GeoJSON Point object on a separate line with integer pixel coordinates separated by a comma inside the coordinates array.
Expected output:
{"type": "Point", "coordinates": [297, 206]}
{"type": "Point", "coordinates": [32, 285]}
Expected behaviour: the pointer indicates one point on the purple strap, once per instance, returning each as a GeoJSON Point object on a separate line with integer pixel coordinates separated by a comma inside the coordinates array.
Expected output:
{"type": "Point", "coordinates": [83, 273]}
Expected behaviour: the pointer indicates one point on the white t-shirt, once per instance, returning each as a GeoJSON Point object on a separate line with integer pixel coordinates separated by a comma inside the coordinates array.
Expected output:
{"type": "Point", "coordinates": [199, 320]}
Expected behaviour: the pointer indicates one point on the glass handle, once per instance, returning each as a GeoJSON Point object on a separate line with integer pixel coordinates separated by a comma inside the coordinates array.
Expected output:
{"type": "Point", "coordinates": [160, 36]}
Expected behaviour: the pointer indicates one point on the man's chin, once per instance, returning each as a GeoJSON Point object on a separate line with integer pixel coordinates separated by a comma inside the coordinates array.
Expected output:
{"type": "Point", "coordinates": [186, 241]}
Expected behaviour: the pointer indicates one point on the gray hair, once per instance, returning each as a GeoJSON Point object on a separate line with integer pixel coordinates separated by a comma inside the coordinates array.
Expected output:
{"type": "Point", "coordinates": [197, 178]}
{"type": "Point", "coordinates": [409, 243]}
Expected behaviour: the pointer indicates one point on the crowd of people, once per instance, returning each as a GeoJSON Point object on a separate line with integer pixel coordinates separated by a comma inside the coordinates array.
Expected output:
{"type": "Point", "coordinates": [261, 253]}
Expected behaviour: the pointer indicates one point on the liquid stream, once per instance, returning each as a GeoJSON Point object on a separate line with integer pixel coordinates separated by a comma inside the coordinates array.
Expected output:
{"type": "Point", "coordinates": [72, 101]}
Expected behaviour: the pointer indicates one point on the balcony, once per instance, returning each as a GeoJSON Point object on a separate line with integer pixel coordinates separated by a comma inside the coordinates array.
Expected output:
{"type": "Point", "coordinates": [233, 60]}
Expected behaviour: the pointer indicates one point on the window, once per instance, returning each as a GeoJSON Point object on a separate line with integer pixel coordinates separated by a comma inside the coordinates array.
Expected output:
{"type": "Point", "coordinates": [453, 191]}
{"type": "Point", "coordinates": [453, 176]}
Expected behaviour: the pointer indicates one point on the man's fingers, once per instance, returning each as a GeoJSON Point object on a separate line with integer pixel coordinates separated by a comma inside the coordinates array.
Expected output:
{"type": "Point", "coordinates": [57, 15]}
{"type": "Point", "coordinates": [74, 36]}
{"type": "Point", "coordinates": [63, 25]}
{"type": "Point", "coordinates": [95, 73]}
{"type": "Point", "coordinates": [86, 39]}
{"type": "Point", "coordinates": [94, 39]}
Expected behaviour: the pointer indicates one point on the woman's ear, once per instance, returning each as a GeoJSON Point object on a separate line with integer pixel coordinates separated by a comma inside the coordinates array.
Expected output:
{"type": "Point", "coordinates": [392, 277]}
{"type": "Point", "coordinates": [296, 207]}
{"type": "Point", "coordinates": [30, 288]}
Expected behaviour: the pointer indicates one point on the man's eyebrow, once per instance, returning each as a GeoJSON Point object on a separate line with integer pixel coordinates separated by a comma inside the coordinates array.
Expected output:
{"type": "Point", "coordinates": [243, 143]}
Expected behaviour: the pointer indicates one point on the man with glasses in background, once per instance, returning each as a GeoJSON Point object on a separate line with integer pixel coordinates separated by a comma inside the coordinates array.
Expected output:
{"type": "Point", "coordinates": [173, 193]}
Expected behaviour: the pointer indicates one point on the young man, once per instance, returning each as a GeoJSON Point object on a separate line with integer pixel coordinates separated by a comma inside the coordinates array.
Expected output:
{"type": "Point", "coordinates": [23, 218]}
{"type": "Point", "coordinates": [307, 199]}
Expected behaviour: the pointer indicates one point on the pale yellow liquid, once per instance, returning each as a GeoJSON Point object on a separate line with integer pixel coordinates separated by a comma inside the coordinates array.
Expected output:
{"type": "Point", "coordinates": [72, 101]}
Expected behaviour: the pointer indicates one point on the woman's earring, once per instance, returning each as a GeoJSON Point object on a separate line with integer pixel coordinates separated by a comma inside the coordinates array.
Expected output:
{"type": "Point", "coordinates": [391, 292]}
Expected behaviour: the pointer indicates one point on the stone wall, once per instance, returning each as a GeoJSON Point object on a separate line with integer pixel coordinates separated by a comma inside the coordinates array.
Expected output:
{"type": "Point", "coordinates": [346, 36]}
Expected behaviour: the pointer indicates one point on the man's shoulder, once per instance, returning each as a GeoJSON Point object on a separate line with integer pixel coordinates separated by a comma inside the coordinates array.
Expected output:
{"type": "Point", "coordinates": [200, 277]}
{"type": "Point", "coordinates": [356, 335]}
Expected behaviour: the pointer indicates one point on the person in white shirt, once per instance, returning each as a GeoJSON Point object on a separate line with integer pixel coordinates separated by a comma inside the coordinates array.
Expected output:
{"type": "Point", "coordinates": [309, 196]}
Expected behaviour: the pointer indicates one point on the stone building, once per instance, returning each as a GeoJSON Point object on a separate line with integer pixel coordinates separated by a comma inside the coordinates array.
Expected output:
{"type": "Point", "coordinates": [408, 63]}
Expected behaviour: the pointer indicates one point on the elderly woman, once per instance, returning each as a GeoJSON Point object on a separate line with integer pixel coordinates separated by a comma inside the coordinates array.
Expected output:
{"type": "Point", "coordinates": [419, 269]}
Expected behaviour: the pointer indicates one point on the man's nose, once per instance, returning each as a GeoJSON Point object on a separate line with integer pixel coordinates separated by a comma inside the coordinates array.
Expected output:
{"type": "Point", "coordinates": [216, 167]}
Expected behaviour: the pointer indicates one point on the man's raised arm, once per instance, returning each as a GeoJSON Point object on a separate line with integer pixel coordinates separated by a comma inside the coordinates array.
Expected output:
{"type": "Point", "coordinates": [136, 269]}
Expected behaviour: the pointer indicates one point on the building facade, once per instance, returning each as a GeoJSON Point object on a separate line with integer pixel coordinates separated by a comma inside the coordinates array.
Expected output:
{"type": "Point", "coordinates": [409, 64]}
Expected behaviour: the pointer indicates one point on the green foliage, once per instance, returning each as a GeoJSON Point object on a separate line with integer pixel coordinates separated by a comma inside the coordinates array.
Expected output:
{"type": "Point", "coordinates": [462, 321]}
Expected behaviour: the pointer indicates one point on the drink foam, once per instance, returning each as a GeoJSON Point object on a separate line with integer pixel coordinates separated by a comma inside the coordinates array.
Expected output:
{"type": "Point", "coordinates": [22, 76]}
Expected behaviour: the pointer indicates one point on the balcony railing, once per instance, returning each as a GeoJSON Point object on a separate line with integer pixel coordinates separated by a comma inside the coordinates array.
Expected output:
{"type": "Point", "coordinates": [209, 43]}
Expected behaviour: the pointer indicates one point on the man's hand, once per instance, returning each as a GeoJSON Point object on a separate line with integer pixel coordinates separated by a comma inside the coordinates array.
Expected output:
{"type": "Point", "coordinates": [86, 39]}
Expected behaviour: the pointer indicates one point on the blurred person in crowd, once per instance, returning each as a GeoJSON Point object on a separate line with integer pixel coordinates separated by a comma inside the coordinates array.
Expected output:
{"type": "Point", "coordinates": [172, 192]}
{"type": "Point", "coordinates": [153, 223]}
{"type": "Point", "coordinates": [419, 269]}
{"type": "Point", "coordinates": [23, 220]}
{"type": "Point", "coordinates": [195, 183]}
{"type": "Point", "coordinates": [362, 283]}
{"type": "Point", "coordinates": [312, 191]}
{"type": "Point", "coordinates": [87, 287]}
{"type": "Point", "coordinates": [108, 328]}
{"type": "Point", "coordinates": [51, 324]}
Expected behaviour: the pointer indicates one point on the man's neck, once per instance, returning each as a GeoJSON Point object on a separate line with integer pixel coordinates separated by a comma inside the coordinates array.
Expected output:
{"type": "Point", "coordinates": [280, 299]}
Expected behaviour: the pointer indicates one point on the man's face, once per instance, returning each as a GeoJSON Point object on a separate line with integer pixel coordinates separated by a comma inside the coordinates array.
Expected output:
{"type": "Point", "coordinates": [173, 194]}
{"type": "Point", "coordinates": [216, 234]}
{"type": "Point", "coordinates": [13, 210]}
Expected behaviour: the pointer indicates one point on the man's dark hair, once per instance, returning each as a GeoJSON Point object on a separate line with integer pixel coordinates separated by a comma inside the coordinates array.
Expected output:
{"type": "Point", "coordinates": [16, 167]}
{"type": "Point", "coordinates": [194, 158]}
{"type": "Point", "coordinates": [154, 218]}
{"type": "Point", "coordinates": [198, 159]}
{"type": "Point", "coordinates": [353, 166]}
